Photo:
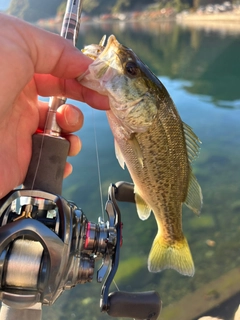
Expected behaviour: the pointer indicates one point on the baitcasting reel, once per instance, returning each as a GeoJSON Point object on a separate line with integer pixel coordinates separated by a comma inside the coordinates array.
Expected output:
{"type": "Point", "coordinates": [48, 245]}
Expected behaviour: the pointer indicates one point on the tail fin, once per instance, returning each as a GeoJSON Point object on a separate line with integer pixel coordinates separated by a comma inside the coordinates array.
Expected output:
{"type": "Point", "coordinates": [175, 256]}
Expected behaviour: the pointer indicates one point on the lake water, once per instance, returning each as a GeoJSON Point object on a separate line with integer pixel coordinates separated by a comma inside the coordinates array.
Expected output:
{"type": "Point", "coordinates": [200, 67]}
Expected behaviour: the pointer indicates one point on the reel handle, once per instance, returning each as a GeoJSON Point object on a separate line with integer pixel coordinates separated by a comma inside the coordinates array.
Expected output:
{"type": "Point", "coordinates": [141, 305]}
{"type": "Point", "coordinates": [125, 192]}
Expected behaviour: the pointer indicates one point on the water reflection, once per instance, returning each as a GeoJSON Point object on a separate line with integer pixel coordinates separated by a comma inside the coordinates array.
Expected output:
{"type": "Point", "coordinates": [201, 71]}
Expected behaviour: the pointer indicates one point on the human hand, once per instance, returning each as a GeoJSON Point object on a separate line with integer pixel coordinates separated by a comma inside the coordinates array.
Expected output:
{"type": "Point", "coordinates": [35, 62]}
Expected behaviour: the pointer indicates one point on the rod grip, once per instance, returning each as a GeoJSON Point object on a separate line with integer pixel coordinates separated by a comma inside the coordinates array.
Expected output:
{"type": "Point", "coordinates": [140, 305]}
{"type": "Point", "coordinates": [46, 168]}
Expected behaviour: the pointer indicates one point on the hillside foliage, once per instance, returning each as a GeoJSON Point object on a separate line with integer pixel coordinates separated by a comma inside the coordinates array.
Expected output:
{"type": "Point", "coordinates": [32, 10]}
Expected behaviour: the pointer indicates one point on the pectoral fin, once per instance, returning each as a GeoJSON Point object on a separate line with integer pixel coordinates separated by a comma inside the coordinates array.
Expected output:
{"type": "Point", "coordinates": [136, 149]}
{"type": "Point", "coordinates": [194, 196]}
{"type": "Point", "coordinates": [143, 209]}
{"type": "Point", "coordinates": [119, 155]}
{"type": "Point", "coordinates": [134, 146]}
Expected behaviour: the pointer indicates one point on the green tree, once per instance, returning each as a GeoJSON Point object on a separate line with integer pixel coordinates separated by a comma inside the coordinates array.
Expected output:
{"type": "Point", "coordinates": [121, 5]}
{"type": "Point", "coordinates": [89, 6]}
{"type": "Point", "coordinates": [32, 10]}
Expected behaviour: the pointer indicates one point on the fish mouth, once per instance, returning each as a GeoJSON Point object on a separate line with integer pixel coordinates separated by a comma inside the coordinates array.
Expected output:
{"type": "Point", "coordinates": [104, 68]}
{"type": "Point", "coordinates": [109, 61]}
{"type": "Point", "coordinates": [111, 43]}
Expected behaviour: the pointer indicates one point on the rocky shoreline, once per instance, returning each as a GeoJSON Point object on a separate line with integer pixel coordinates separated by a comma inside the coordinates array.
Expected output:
{"type": "Point", "coordinates": [232, 16]}
{"type": "Point", "coordinates": [217, 13]}
{"type": "Point", "coordinates": [228, 22]}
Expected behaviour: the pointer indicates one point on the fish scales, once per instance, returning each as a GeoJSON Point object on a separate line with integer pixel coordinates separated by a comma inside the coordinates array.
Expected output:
{"type": "Point", "coordinates": [165, 185]}
{"type": "Point", "coordinates": [156, 146]}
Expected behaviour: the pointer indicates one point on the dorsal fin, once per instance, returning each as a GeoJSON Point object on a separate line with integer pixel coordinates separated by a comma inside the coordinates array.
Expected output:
{"type": "Point", "coordinates": [192, 142]}
{"type": "Point", "coordinates": [194, 198]}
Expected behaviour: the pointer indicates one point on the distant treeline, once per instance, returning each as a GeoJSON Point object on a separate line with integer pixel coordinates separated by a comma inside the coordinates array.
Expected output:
{"type": "Point", "coordinates": [32, 10]}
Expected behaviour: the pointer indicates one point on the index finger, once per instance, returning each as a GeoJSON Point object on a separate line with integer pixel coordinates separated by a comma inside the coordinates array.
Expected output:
{"type": "Point", "coordinates": [48, 85]}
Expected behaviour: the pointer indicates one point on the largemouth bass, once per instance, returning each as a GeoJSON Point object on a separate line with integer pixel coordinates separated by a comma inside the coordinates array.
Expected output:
{"type": "Point", "coordinates": [156, 146]}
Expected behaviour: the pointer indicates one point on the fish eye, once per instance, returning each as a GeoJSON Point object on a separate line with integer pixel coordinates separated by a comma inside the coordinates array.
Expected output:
{"type": "Point", "coordinates": [131, 68]}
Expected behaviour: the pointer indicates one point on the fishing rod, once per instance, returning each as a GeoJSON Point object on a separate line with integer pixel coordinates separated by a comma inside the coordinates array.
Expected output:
{"type": "Point", "coordinates": [47, 244]}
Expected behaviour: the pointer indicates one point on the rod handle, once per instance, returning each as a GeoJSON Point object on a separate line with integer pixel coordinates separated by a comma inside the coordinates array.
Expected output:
{"type": "Point", "coordinates": [46, 168]}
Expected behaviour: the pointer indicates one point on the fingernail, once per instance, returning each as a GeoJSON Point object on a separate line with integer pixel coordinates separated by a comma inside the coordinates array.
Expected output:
{"type": "Point", "coordinates": [72, 116]}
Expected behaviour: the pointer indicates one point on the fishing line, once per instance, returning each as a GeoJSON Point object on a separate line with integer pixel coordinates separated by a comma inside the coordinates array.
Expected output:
{"type": "Point", "coordinates": [115, 283]}
{"type": "Point", "coordinates": [40, 155]}
{"type": "Point", "coordinates": [64, 31]}
{"type": "Point", "coordinates": [98, 163]}
{"type": "Point", "coordinates": [99, 173]}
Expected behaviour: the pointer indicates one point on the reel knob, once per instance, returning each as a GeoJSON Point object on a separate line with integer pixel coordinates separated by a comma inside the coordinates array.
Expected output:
{"type": "Point", "coordinates": [141, 305]}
